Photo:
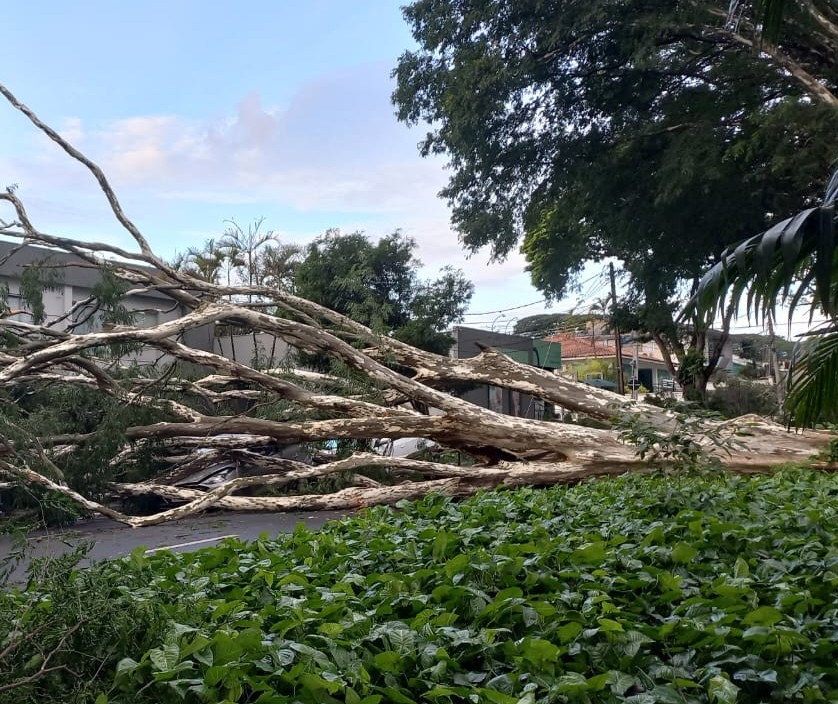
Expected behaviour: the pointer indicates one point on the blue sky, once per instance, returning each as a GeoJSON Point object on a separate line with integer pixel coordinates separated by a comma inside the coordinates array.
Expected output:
{"type": "Point", "coordinates": [205, 111]}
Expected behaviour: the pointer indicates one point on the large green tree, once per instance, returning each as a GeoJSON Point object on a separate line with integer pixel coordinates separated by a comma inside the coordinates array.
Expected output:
{"type": "Point", "coordinates": [378, 284]}
{"type": "Point", "coordinates": [655, 132]}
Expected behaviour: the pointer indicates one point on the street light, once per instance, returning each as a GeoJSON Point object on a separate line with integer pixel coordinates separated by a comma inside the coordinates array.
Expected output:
{"type": "Point", "coordinates": [502, 315]}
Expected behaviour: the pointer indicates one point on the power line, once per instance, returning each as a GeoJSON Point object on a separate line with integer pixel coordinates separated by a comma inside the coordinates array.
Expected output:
{"type": "Point", "coordinates": [504, 310]}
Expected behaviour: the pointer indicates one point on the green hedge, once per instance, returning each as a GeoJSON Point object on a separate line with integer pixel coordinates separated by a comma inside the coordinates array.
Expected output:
{"type": "Point", "coordinates": [639, 589]}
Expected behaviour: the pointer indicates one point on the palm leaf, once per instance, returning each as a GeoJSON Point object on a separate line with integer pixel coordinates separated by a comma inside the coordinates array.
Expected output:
{"type": "Point", "coordinates": [782, 265]}
{"type": "Point", "coordinates": [813, 380]}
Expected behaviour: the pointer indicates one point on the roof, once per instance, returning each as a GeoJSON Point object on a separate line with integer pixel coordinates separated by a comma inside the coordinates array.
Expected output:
{"type": "Point", "coordinates": [574, 347]}
{"type": "Point", "coordinates": [14, 257]}
{"type": "Point", "coordinates": [584, 347]}
{"type": "Point", "coordinates": [546, 354]}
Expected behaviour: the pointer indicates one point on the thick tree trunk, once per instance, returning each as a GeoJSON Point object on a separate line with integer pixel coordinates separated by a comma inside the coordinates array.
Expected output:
{"type": "Point", "coordinates": [509, 451]}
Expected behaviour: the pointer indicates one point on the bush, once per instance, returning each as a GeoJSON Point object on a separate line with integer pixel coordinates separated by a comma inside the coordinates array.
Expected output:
{"type": "Point", "coordinates": [640, 589]}
{"type": "Point", "coordinates": [734, 397]}
{"type": "Point", "coordinates": [62, 637]}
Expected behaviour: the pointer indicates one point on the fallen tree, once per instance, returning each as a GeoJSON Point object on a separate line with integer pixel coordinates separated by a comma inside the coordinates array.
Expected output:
{"type": "Point", "coordinates": [508, 451]}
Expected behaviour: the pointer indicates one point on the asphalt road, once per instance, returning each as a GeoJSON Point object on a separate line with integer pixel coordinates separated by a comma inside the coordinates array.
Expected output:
{"type": "Point", "coordinates": [109, 539]}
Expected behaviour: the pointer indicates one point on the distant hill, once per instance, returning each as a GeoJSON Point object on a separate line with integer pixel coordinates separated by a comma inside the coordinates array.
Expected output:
{"type": "Point", "coordinates": [546, 324]}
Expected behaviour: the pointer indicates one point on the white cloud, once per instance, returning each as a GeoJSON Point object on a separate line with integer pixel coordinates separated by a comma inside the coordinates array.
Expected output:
{"type": "Point", "coordinates": [335, 152]}
{"type": "Point", "coordinates": [328, 150]}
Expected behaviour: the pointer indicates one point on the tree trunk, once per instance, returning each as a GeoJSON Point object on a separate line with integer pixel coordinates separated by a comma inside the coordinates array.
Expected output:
{"type": "Point", "coordinates": [508, 451]}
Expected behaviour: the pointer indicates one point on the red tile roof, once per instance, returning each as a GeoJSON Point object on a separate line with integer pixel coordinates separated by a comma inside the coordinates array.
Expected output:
{"type": "Point", "coordinates": [583, 347]}
{"type": "Point", "coordinates": [574, 347]}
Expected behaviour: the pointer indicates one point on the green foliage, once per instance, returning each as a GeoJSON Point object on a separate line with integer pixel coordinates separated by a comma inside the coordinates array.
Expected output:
{"type": "Point", "coordinates": [634, 130]}
{"type": "Point", "coordinates": [594, 368]}
{"type": "Point", "coordinates": [203, 262]}
{"type": "Point", "coordinates": [378, 285]}
{"type": "Point", "coordinates": [34, 280]}
{"type": "Point", "coordinates": [682, 447]}
{"type": "Point", "coordinates": [690, 370]}
{"type": "Point", "coordinates": [813, 381]}
{"type": "Point", "coordinates": [241, 249]}
{"type": "Point", "coordinates": [44, 410]}
{"type": "Point", "coordinates": [734, 396]}
{"type": "Point", "coordinates": [639, 589]}
{"type": "Point", "coordinates": [71, 624]}
{"type": "Point", "coordinates": [791, 264]}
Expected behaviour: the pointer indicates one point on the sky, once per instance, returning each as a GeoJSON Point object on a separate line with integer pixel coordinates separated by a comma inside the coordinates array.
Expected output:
{"type": "Point", "coordinates": [201, 112]}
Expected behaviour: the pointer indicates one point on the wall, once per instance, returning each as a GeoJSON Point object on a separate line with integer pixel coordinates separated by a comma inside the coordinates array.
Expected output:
{"type": "Point", "coordinates": [493, 397]}
{"type": "Point", "coordinates": [268, 351]}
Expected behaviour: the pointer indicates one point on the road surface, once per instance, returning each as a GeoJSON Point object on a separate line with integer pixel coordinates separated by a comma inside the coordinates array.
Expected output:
{"type": "Point", "coordinates": [111, 539]}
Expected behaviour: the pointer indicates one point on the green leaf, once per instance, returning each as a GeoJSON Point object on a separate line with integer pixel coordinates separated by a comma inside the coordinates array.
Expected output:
{"type": "Point", "coordinates": [599, 682]}
{"type": "Point", "coordinates": [591, 553]}
{"type": "Point", "coordinates": [607, 625]}
{"type": "Point", "coordinates": [568, 631]}
{"type": "Point", "coordinates": [722, 690]}
{"type": "Point", "coordinates": [457, 564]}
{"type": "Point", "coordinates": [214, 675]}
{"type": "Point", "coordinates": [165, 659]}
{"type": "Point", "coordinates": [619, 682]}
{"type": "Point", "coordinates": [763, 616]}
{"type": "Point", "coordinates": [388, 661]}
{"type": "Point", "coordinates": [126, 666]}
{"type": "Point", "coordinates": [443, 544]}
{"type": "Point", "coordinates": [496, 697]}
{"type": "Point", "coordinates": [683, 553]}
{"type": "Point", "coordinates": [571, 683]}
{"type": "Point", "coordinates": [394, 695]}
{"type": "Point", "coordinates": [315, 683]}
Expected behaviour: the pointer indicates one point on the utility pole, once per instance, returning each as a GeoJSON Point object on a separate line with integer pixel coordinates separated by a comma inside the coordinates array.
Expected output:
{"type": "Point", "coordinates": [618, 343]}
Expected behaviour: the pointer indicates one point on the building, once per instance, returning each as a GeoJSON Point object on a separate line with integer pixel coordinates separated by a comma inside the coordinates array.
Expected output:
{"type": "Point", "coordinates": [70, 281]}
{"type": "Point", "coordinates": [538, 353]}
{"type": "Point", "coordinates": [591, 357]}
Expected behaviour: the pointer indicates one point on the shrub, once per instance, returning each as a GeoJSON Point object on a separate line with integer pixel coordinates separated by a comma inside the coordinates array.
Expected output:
{"type": "Point", "coordinates": [734, 397]}
{"type": "Point", "coordinates": [640, 589]}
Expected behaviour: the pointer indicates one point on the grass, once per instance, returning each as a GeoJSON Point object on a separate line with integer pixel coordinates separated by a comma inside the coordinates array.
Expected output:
{"type": "Point", "coordinates": [640, 589]}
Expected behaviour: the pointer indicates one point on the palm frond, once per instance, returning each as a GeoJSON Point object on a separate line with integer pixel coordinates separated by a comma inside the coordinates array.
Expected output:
{"type": "Point", "coordinates": [792, 262]}
{"type": "Point", "coordinates": [813, 381]}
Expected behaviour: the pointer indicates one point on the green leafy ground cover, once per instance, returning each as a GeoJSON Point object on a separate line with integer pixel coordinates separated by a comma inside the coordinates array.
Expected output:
{"type": "Point", "coordinates": [640, 589]}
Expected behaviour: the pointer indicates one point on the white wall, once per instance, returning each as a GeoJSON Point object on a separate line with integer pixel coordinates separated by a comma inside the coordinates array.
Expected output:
{"type": "Point", "coordinates": [267, 350]}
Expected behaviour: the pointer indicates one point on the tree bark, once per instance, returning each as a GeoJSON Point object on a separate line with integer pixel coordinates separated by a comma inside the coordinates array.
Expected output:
{"type": "Point", "coordinates": [509, 451]}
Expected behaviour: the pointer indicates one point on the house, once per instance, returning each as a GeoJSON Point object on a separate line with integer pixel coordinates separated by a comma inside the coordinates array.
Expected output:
{"type": "Point", "coordinates": [591, 356]}
{"type": "Point", "coordinates": [538, 353]}
{"type": "Point", "coordinates": [70, 281]}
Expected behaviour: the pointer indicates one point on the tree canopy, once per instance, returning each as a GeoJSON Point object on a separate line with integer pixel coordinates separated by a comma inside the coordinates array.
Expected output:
{"type": "Point", "coordinates": [651, 132]}
{"type": "Point", "coordinates": [378, 284]}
